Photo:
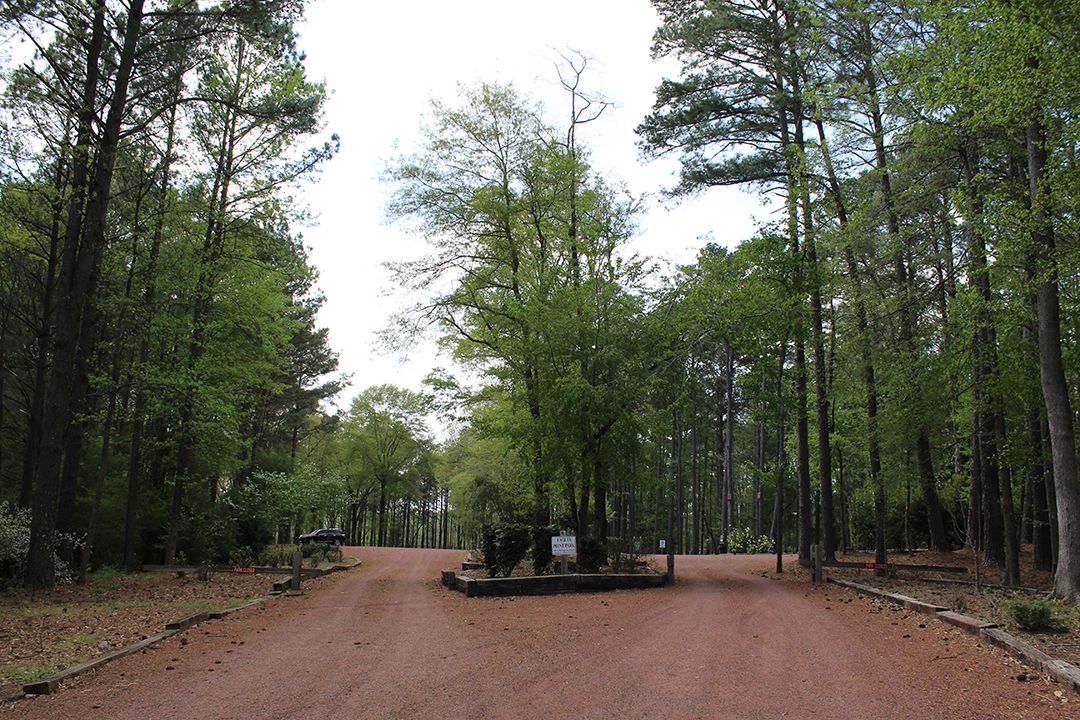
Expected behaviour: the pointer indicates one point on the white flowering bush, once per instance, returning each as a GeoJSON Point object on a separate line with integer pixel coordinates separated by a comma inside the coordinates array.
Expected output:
{"type": "Point", "coordinates": [15, 544]}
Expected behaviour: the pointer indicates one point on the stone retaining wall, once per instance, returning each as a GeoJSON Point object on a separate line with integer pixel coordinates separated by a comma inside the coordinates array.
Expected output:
{"type": "Point", "coordinates": [550, 584]}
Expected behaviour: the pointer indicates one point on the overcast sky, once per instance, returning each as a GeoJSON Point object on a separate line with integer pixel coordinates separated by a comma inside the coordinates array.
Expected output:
{"type": "Point", "coordinates": [383, 61]}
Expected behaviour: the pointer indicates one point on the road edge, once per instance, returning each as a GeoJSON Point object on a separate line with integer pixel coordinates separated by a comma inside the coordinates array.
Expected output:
{"type": "Point", "coordinates": [1061, 671]}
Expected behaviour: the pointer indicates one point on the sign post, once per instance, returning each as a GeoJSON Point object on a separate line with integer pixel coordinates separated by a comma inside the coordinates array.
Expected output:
{"type": "Point", "coordinates": [562, 547]}
{"type": "Point", "coordinates": [297, 559]}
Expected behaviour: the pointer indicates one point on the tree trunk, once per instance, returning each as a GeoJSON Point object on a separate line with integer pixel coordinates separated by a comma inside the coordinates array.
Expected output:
{"type": "Point", "coordinates": [1052, 375]}
{"type": "Point", "coordinates": [83, 246]}
{"type": "Point", "coordinates": [729, 446]}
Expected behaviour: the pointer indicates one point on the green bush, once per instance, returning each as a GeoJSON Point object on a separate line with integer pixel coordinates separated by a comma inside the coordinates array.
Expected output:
{"type": "Point", "coordinates": [591, 554]}
{"type": "Point", "coordinates": [318, 552]}
{"type": "Point", "coordinates": [743, 540]}
{"type": "Point", "coordinates": [15, 544]}
{"type": "Point", "coordinates": [277, 555]}
{"type": "Point", "coordinates": [504, 547]}
{"type": "Point", "coordinates": [242, 557]}
{"type": "Point", "coordinates": [623, 554]}
{"type": "Point", "coordinates": [1033, 615]}
{"type": "Point", "coordinates": [541, 550]}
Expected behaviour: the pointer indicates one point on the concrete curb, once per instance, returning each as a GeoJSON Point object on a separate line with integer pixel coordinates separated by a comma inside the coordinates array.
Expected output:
{"type": "Point", "coordinates": [1061, 671]}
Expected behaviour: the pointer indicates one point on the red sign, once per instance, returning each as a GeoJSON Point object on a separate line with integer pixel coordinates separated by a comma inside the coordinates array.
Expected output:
{"type": "Point", "coordinates": [243, 570]}
{"type": "Point", "coordinates": [876, 566]}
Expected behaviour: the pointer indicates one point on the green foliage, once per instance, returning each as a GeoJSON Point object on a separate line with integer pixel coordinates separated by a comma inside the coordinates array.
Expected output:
{"type": "Point", "coordinates": [15, 543]}
{"type": "Point", "coordinates": [591, 554]}
{"type": "Point", "coordinates": [277, 555]}
{"type": "Point", "coordinates": [107, 573]}
{"type": "Point", "coordinates": [317, 553]}
{"type": "Point", "coordinates": [623, 554]}
{"type": "Point", "coordinates": [1033, 615]}
{"type": "Point", "coordinates": [504, 547]}
{"type": "Point", "coordinates": [526, 276]}
{"type": "Point", "coordinates": [242, 557]}
{"type": "Point", "coordinates": [541, 549]}
{"type": "Point", "coordinates": [742, 540]}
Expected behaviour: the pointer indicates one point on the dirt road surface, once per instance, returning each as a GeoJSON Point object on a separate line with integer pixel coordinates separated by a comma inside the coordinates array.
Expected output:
{"type": "Point", "coordinates": [386, 641]}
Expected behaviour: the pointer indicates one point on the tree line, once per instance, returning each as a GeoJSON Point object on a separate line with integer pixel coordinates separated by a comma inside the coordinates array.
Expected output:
{"type": "Point", "coordinates": [893, 343]}
{"type": "Point", "coordinates": [157, 313]}
{"type": "Point", "coordinates": [886, 363]}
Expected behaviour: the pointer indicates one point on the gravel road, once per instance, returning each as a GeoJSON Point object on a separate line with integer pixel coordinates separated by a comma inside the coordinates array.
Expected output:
{"type": "Point", "coordinates": [386, 641]}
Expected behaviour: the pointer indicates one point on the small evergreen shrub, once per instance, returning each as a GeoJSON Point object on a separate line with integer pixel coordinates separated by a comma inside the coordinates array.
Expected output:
{"type": "Point", "coordinates": [623, 554]}
{"type": "Point", "coordinates": [1033, 615]}
{"type": "Point", "coordinates": [319, 552]}
{"type": "Point", "coordinates": [743, 540]}
{"type": "Point", "coordinates": [504, 547]}
{"type": "Point", "coordinates": [541, 550]}
{"type": "Point", "coordinates": [591, 554]}
{"type": "Point", "coordinates": [277, 555]}
{"type": "Point", "coordinates": [242, 557]}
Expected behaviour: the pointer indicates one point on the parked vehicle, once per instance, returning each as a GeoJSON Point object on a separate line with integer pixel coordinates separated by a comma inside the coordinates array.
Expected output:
{"type": "Point", "coordinates": [333, 536]}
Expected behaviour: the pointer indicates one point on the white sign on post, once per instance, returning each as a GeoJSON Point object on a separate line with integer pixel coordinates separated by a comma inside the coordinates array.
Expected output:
{"type": "Point", "coordinates": [564, 545]}
{"type": "Point", "coordinates": [663, 543]}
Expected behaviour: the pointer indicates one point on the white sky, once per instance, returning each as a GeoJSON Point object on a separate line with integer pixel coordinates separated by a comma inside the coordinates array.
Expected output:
{"type": "Point", "coordinates": [384, 60]}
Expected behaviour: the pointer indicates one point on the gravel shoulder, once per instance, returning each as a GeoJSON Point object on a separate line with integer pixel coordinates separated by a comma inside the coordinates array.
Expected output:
{"type": "Point", "coordinates": [387, 641]}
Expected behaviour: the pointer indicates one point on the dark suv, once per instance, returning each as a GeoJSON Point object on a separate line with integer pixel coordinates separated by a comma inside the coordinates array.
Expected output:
{"type": "Point", "coordinates": [333, 536]}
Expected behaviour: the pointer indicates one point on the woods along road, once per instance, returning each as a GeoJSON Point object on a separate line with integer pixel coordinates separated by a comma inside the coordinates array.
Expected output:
{"type": "Point", "coordinates": [386, 641]}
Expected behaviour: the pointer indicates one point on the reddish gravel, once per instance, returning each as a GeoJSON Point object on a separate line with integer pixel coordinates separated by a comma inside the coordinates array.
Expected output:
{"type": "Point", "coordinates": [385, 641]}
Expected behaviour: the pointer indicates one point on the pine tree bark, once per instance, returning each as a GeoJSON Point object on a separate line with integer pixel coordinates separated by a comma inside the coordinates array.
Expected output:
{"type": "Point", "coordinates": [83, 245]}
{"type": "Point", "coordinates": [1052, 375]}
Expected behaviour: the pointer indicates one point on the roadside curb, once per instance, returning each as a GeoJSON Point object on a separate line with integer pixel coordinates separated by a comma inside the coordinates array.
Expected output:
{"type": "Point", "coordinates": [47, 686]}
{"type": "Point", "coordinates": [1061, 671]}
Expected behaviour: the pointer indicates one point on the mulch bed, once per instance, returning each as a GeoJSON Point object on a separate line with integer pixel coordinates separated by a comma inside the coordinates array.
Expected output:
{"type": "Point", "coordinates": [985, 601]}
{"type": "Point", "coordinates": [43, 632]}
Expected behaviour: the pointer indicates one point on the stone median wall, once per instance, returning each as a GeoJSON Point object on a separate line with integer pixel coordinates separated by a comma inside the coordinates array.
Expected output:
{"type": "Point", "coordinates": [549, 584]}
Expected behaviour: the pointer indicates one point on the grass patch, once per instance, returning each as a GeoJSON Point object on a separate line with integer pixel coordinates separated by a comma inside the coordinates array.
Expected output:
{"type": "Point", "coordinates": [108, 573]}
{"type": "Point", "coordinates": [28, 611]}
{"type": "Point", "coordinates": [236, 602]}
{"type": "Point", "coordinates": [22, 674]}
{"type": "Point", "coordinates": [193, 604]}
{"type": "Point", "coordinates": [83, 639]}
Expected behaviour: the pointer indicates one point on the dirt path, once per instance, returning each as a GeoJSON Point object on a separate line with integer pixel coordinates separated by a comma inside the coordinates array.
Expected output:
{"type": "Point", "coordinates": [385, 641]}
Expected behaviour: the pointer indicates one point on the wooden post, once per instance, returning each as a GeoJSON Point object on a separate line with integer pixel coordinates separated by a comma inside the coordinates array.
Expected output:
{"type": "Point", "coordinates": [297, 559]}
{"type": "Point", "coordinates": [563, 560]}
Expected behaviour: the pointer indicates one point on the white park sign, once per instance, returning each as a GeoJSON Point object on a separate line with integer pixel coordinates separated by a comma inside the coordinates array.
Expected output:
{"type": "Point", "coordinates": [564, 545]}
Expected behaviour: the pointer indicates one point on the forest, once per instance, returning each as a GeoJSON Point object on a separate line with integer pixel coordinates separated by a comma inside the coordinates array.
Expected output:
{"type": "Point", "coordinates": [888, 362]}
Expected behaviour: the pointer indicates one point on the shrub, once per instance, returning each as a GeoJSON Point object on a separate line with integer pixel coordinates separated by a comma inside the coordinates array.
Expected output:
{"type": "Point", "coordinates": [318, 552]}
{"type": "Point", "coordinates": [623, 554]}
{"type": "Point", "coordinates": [591, 554]}
{"type": "Point", "coordinates": [541, 550]}
{"type": "Point", "coordinates": [1033, 615]}
{"type": "Point", "coordinates": [15, 544]}
{"type": "Point", "coordinates": [242, 557]}
{"type": "Point", "coordinates": [504, 548]}
{"type": "Point", "coordinates": [277, 555]}
{"type": "Point", "coordinates": [743, 540]}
